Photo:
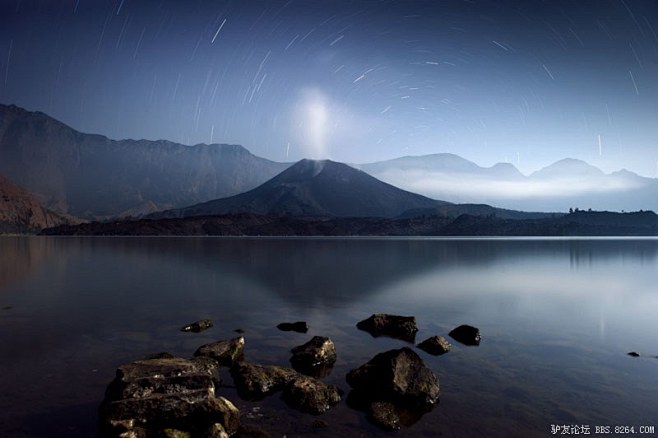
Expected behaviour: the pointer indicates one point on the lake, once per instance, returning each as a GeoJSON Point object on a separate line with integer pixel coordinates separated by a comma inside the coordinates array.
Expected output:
{"type": "Point", "coordinates": [557, 317]}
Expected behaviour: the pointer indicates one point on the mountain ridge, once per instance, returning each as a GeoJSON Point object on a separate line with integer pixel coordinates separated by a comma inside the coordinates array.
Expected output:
{"type": "Point", "coordinates": [564, 184]}
{"type": "Point", "coordinates": [317, 188]}
{"type": "Point", "coordinates": [92, 176]}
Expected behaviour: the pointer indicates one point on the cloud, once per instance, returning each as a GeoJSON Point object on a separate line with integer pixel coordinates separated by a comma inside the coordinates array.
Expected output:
{"type": "Point", "coordinates": [467, 188]}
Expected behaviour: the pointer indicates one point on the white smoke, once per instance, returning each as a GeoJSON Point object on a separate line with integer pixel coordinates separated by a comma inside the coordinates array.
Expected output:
{"type": "Point", "coordinates": [310, 129]}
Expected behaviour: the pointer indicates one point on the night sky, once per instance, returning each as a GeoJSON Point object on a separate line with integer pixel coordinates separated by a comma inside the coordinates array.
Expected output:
{"type": "Point", "coordinates": [529, 82]}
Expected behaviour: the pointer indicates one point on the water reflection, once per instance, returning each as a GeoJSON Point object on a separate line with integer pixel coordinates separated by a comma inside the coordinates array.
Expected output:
{"type": "Point", "coordinates": [19, 256]}
{"type": "Point", "coordinates": [328, 269]}
{"type": "Point", "coordinates": [556, 316]}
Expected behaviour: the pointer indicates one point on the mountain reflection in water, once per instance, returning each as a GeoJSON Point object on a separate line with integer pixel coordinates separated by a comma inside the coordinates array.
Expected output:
{"type": "Point", "coordinates": [557, 317]}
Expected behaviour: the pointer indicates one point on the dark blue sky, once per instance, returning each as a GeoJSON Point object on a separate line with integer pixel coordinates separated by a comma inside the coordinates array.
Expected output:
{"type": "Point", "coordinates": [528, 82]}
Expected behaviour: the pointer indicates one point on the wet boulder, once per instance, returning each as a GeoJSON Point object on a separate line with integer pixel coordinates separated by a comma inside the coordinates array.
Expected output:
{"type": "Point", "coordinates": [314, 358]}
{"type": "Point", "coordinates": [435, 345]}
{"type": "Point", "coordinates": [394, 326]}
{"type": "Point", "coordinates": [150, 396]}
{"type": "Point", "coordinates": [216, 431]}
{"type": "Point", "coordinates": [311, 395]}
{"type": "Point", "coordinates": [254, 382]}
{"type": "Point", "coordinates": [225, 352]}
{"type": "Point", "coordinates": [466, 334]}
{"type": "Point", "coordinates": [397, 376]}
{"type": "Point", "coordinates": [299, 327]}
{"type": "Point", "coordinates": [307, 394]}
{"type": "Point", "coordinates": [197, 326]}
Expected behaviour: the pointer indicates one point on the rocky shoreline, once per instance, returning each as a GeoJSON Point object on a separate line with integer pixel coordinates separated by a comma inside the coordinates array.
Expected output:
{"type": "Point", "coordinates": [166, 396]}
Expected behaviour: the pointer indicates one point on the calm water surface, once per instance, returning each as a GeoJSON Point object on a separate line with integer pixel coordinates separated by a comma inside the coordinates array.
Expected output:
{"type": "Point", "coordinates": [557, 318]}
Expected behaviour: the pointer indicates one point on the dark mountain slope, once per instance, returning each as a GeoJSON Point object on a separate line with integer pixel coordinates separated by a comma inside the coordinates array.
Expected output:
{"type": "Point", "coordinates": [93, 176]}
{"type": "Point", "coordinates": [20, 212]}
{"type": "Point", "coordinates": [315, 188]}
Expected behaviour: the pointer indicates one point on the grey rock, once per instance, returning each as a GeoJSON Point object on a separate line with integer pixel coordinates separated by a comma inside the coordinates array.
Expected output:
{"type": "Point", "coordinates": [216, 431]}
{"type": "Point", "coordinates": [435, 345]}
{"type": "Point", "coordinates": [394, 326]}
{"type": "Point", "coordinates": [198, 326]}
{"type": "Point", "coordinates": [225, 352]}
{"type": "Point", "coordinates": [395, 388]}
{"type": "Point", "coordinates": [311, 395]}
{"type": "Point", "coordinates": [254, 382]}
{"type": "Point", "coordinates": [305, 393]}
{"type": "Point", "coordinates": [397, 375]}
{"type": "Point", "coordinates": [151, 395]}
{"type": "Point", "coordinates": [314, 358]}
{"type": "Point", "coordinates": [384, 414]}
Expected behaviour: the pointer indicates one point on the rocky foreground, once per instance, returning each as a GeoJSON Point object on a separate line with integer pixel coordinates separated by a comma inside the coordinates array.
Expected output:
{"type": "Point", "coordinates": [167, 396]}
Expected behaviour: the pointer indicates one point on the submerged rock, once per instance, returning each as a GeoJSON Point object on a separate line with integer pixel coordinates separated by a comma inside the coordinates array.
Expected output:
{"type": "Point", "coordinates": [466, 334]}
{"type": "Point", "coordinates": [314, 358]}
{"type": "Point", "coordinates": [395, 388]}
{"type": "Point", "coordinates": [198, 326]}
{"type": "Point", "coordinates": [225, 352]}
{"type": "Point", "coordinates": [435, 345]}
{"type": "Point", "coordinates": [151, 395]}
{"type": "Point", "coordinates": [394, 326]}
{"type": "Point", "coordinates": [311, 395]}
{"type": "Point", "coordinates": [385, 415]}
{"type": "Point", "coordinates": [299, 326]}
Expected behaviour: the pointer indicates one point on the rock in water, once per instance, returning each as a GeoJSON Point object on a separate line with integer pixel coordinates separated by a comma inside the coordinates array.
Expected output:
{"type": "Point", "coordinates": [305, 393]}
{"type": "Point", "coordinates": [311, 395]}
{"type": "Point", "coordinates": [151, 395]}
{"type": "Point", "coordinates": [314, 358]}
{"type": "Point", "coordinates": [198, 326]}
{"type": "Point", "coordinates": [395, 388]}
{"type": "Point", "coordinates": [225, 352]}
{"type": "Point", "coordinates": [397, 375]}
{"type": "Point", "coordinates": [466, 334]}
{"type": "Point", "coordinates": [385, 414]}
{"type": "Point", "coordinates": [299, 326]}
{"type": "Point", "coordinates": [634, 354]}
{"type": "Point", "coordinates": [435, 345]}
{"type": "Point", "coordinates": [394, 326]}
{"type": "Point", "coordinates": [254, 382]}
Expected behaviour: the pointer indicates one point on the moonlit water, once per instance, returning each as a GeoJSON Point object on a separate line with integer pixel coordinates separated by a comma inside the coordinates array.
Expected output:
{"type": "Point", "coordinates": [557, 318]}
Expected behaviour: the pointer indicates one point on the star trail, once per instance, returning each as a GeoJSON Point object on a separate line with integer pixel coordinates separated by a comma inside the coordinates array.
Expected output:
{"type": "Point", "coordinates": [529, 82]}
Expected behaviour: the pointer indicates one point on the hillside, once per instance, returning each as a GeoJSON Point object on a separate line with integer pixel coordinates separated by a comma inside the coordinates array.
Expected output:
{"type": "Point", "coordinates": [21, 212]}
{"type": "Point", "coordinates": [95, 177]}
{"type": "Point", "coordinates": [315, 188]}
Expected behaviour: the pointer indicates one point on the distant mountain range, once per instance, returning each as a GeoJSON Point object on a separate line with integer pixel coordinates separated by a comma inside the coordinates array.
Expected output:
{"type": "Point", "coordinates": [566, 184]}
{"type": "Point", "coordinates": [91, 176]}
